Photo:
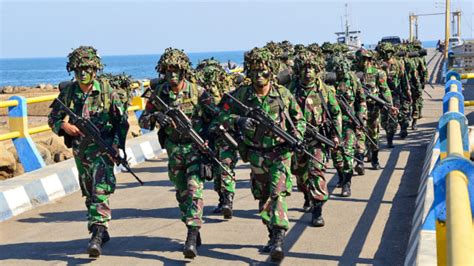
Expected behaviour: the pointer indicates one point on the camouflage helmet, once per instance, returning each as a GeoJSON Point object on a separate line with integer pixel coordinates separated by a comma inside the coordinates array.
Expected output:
{"type": "Point", "coordinates": [299, 47]}
{"type": "Point", "coordinates": [314, 47]}
{"type": "Point", "coordinates": [327, 47]}
{"type": "Point", "coordinates": [385, 49]}
{"type": "Point", "coordinates": [209, 62]}
{"type": "Point", "coordinates": [363, 53]}
{"type": "Point", "coordinates": [257, 56]}
{"type": "Point", "coordinates": [340, 48]}
{"type": "Point", "coordinates": [123, 80]}
{"type": "Point", "coordinates": [173, 57]}
{"type": "Point", "coordinates": [84, 57]}
{"type": "Point", "coordinates": [338, 63]}
{"type": "Point", "coordinates": [417, 44]}
{"type": "Point", "coordinates": [308, 58]}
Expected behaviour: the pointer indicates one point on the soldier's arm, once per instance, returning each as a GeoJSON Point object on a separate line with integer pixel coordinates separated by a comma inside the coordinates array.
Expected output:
{"type": "Point", "coordinates": [360, 101]}
{"type": "Point", "coordinates": [384, 90]}
{"type": "Point", "coordinates": [335, 110]}
{"type": "Point", "coordinates": [297, 117]}
{"type": "Point", "coordinates": [56, 116]}
{"type": "Point", "coordinates": [147, 120]}
{"type": "Point", "coordinates": [119, 118]}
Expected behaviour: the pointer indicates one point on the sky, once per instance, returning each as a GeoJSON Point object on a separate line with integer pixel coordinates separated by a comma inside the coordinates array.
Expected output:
{"type": "Point", "coordinates": [51, 28]}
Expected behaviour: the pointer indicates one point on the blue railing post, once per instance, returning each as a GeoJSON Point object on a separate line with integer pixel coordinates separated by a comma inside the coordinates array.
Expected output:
{"type": "Point", "coordinates": [27, 152]}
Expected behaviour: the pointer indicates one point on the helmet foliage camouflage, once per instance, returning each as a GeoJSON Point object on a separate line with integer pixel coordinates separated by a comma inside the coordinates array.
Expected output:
{"type": "Point", "coordinates": [308, 58]}
{"type": "Point", "coordinates": [258, 56]}
{"type": "Point", "coordinates": [84, 57]}
{"type": "Point", "coordinates": [363, 53]}
{"type": "Point", "coordinates": [338, 64]}
{"type": "Point", "coordinates": [173, 57]}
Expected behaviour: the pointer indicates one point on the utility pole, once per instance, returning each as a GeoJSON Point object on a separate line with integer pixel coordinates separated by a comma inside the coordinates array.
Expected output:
{"type": "Point", "coordinates": [446, 33]}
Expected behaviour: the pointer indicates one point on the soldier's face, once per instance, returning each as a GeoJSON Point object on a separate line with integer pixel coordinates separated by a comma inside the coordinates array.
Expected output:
{"type": "Point", "coordinates": [260, 75]}
{"type": "Point", "coordinates": [174, 76]}
{"type": "Point", "coordinates": [308, 75]}
{"type": "Point", "coordinates": [85, 75]}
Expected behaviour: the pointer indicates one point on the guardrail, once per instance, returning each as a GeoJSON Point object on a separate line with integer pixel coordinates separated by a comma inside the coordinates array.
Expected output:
{"type": "Point", "coordinates": [453, 179]}
{"type": "Point", "coordinates": [20, 133]}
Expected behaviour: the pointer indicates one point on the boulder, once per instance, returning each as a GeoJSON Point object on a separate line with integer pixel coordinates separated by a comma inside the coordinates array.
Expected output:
{"type": "Point", "coordinates": [7, 89]}
{"type": "Point", "coordinates": [8, 164]}
{"type": "Point", "coordinates": [45, 153]}
{"type": "Point", "coordinates": [59, 151]}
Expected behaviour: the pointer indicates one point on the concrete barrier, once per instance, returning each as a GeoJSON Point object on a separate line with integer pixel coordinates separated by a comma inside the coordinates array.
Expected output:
{"type": "Point", "coordinates": [422, 242]}
{"type": "Point", "coordinates": [44, 185]}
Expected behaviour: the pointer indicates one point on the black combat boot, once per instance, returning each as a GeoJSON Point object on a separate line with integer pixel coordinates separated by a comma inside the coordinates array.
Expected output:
{"type": "Point", "coordinates": [375, 160]}
{"type": "Point", "coordinates": [218, 208]}
{"type": "Point", "coordinates": [268, 247]}
{"type": "Point", "coordinates": [277, 252]}
{"type": "Point", "coordinates": [228, 199]}
{"type": "Point", "coordinates": [390, 140]}
{"type": "Point", "coordinates": [99, 237]}
{"type": "Point", "coordinates": [190, 250]}
{"type": "Point", "coordinates": [403, 133]}
{"type": "Point", "coordinates": [369, 155]}
{"type": "Point", "coordinates": [317, 214]}
{"type": "Point", "coordinates": [340, 178]}
{"type": "Point", "coordinates": [308, 204]}
{"type": "Point", "coordinates": [414, 125]}
{"type": "Point", "coordinates": [346, 187]}
{"type": "Point", "coordinates": [359, 168]}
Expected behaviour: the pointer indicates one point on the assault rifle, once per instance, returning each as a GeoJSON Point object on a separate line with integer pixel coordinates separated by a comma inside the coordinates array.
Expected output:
{"type": "Point", "coordinates": [313, 132]}
{"type": "Point", "coordinates": [91, 132]}
{"type": "Point", "coordinates": [184, 126]}
{"type": "Point", "coordinates": [384, 104]}
{"type": "Point", "coordinates": [267, 123]}
{"type": "Point", "coordinates": [346, 108]}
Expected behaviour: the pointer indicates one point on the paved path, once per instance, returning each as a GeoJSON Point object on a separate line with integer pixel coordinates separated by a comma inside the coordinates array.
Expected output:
{"type": "Point", "coordinates": [371, 227]}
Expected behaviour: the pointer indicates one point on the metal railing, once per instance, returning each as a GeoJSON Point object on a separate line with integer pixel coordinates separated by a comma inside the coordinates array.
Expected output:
{"type": "Point", "coordinates": [20, 133]}
{"type": "Point", "coordinates": [453, 178]}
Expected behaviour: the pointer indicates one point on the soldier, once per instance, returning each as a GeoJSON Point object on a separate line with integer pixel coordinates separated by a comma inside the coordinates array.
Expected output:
{"type": "Point", "coordinates": [213, 79]}
{"type": "Point", "coordinates": [416, 85]}
{"type": "Point", "coordinates": [311, 94]}
{"type": "Point", "coordinates": [269, 156]}
{"type": "Point", "coordinates": [405, 99]}
{"type": "Point", "coordinates": [349, 90]}
{"type": "Point", "coordinates": [375, 81]}
{"type": "Point", "coordinates": [185, 162]}
{"type": "Point", "coordinates": [395, 73]}
{"type": "Point", "coordinates": [96, 101]}
{"type": "Point", "coordinates": [422, 70]}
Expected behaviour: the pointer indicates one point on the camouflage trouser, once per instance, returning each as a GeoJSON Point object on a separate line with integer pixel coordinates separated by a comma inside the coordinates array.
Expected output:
{"type": "Point", "coordinates": [373, 124]}
{"type": "Point", "coordinates": [417, 97]}
{"type": "Point", "coordinates": [270, 183]}
{"type": "Point", "coordinates": [390, 122]}
{"type": "Point", "coordinates": [342, 162]}
{"type": "Point", "coordinates": [228, 157]}
{"type": "Point", "coordinates": [360, 141]}
{"type": "Point", "coordinates": [97, 181]}
{"type": "Point", "coordinates": [310, 174]}
{"type": "Point", "coordinates": [404, 115]}
{"type": "Point", "coordinates": [184, 169]}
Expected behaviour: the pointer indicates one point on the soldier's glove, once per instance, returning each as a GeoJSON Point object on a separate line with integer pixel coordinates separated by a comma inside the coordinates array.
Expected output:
{"type": "Point", "coordinates": [162, 119]}
{"type": "Point", "coordinates": [246, 123]}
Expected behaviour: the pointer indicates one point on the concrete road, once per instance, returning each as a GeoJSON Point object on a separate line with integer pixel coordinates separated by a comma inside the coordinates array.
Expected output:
{"type": "Point", "coordinates": [371, 227]}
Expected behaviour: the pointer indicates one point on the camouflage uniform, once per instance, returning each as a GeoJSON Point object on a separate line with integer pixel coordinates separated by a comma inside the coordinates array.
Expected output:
{"type": "Point", "coordinates": [103, 107]}
{"type": "Point", "coordinates": [395, 71]}
{"type": "Point", "coordinates": [213, 79]}
{"type": "Point", "coordinates": [268, 155]}
{"type": "Point", "coordinates": [422, 70]}
{"type": "Point", "coordinates": [184, 158]}
{"type": "Point", "coordinates": [417, 75]}
{"type": "Point", "coordinates": [348, 86]}
{"type": "Point", "coordinates": [405, 99]}
{"type": "Point", "coordinates": [376, 82]}
{"type": "Point", "coordinates": [310, 173]}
